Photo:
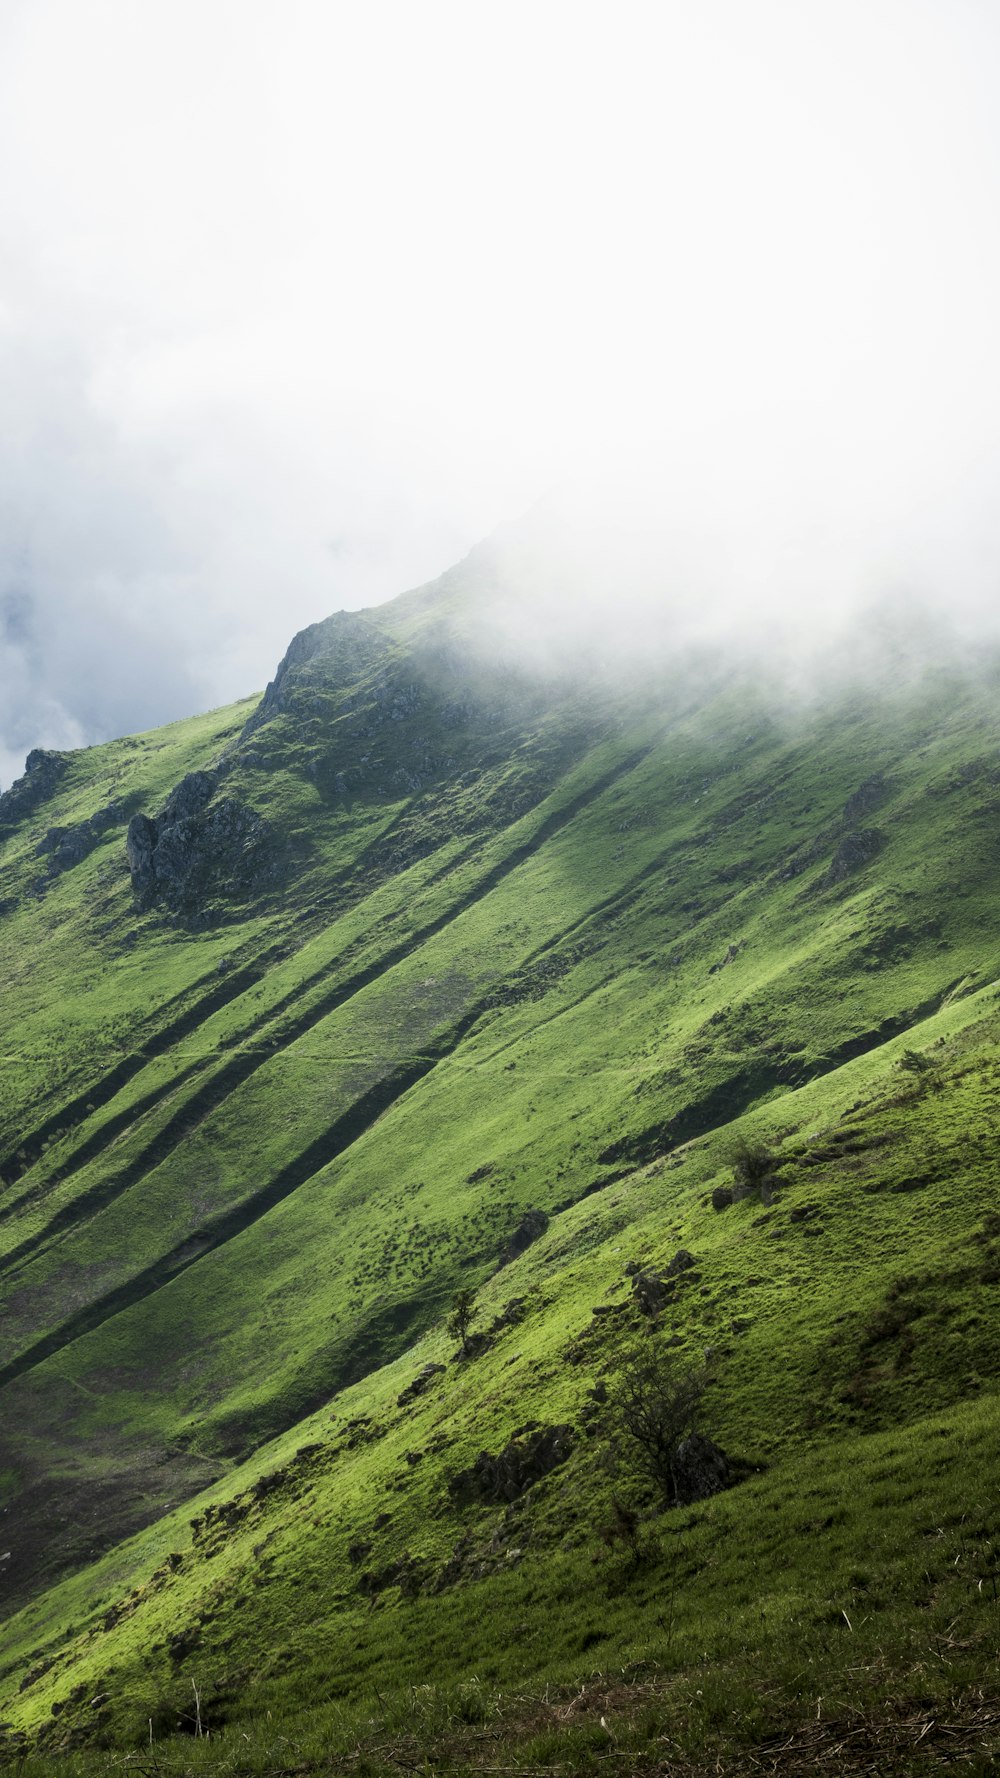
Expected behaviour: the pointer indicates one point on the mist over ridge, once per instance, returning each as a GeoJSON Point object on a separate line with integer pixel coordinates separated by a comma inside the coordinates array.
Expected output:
{"type": "Point", "coordinates": [294, 338]}
{"type": "Point", "coordinates": [590, 585]}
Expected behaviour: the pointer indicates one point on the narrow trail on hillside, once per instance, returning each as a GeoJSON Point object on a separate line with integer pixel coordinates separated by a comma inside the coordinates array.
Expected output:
{"type": "Point", "coordinates": [241, 1067]}
{"type": "Point", "coordinates": [336, 897]}
{"type": "Point", "coordinates": [104, 1089]}
{"type": "Point", "coordinates": [334, 1141]}
{"type": "Point", "coordinates": [713, 1112]}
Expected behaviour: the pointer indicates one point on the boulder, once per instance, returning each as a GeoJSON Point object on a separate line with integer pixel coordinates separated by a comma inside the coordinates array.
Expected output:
{"type": "Point", "coordinates": [651, 1290]}
{"type": "Point", "coordinates": [698, 1469]}
{"type": "Point", "coordinates": [722, 1197]}
{"type": "Point", "coordinates": [420, 1383]}
{"type": "Point", "coordinates": [730, 957]}
{"type": "Point", "coordinates": [531, 1454]}
{"type": "Point", "coordinates": [682, 1261]}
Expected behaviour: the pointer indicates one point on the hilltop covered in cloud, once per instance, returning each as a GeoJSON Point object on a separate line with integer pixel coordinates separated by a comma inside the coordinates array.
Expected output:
{"type": "Point", "coordinates": [297, 308]}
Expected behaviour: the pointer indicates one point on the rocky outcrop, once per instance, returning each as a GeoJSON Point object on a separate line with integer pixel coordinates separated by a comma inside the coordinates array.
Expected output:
{"type": "Point", "coordinates": [698, 1469]}
{"type": "Point", "coordinates": [346, 644]}
{"type": "Point", "coordinates": [856, 849]}
{"type": "Point", "coordinates": [531, 1454]}
{"type": "Point", "coordinates": [730, 956]}
{"type": "Point", "coordinates": [532, 1224]}
{"type": "Point", "coordinates": [420, 1384]}
{"type": "Point", "coordinates": [407, 1574]}
{"type": "Point", "coordinates": [42, 773]}
{"type": "Point", "coordinates": [683, 1261]}
{"type": "Point", "coordinates": [651, 1291]}
{"type": "Point", "coordinates": [65, 847]}
{"type": "Point", "coordinates": [198, 853]}
{"type": "Point", "coordinates": [869, 796]}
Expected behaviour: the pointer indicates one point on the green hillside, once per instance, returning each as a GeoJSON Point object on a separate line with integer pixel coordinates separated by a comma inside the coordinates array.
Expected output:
{"type": "Point", "coordinates": [427, 971]}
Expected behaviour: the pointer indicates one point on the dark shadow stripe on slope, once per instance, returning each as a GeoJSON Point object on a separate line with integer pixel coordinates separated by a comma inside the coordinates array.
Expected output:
{"type": "Point", "coordinates": [341, 1134]}
{"type": "Point", "coordinates": [240, 1068]}
{"type": "Point", "coordinates": [105, 1088]}
{"type": "Point", "coordinates": [738, 1092]}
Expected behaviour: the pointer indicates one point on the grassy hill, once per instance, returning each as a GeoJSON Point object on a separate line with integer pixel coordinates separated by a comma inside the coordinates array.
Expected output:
{"type": "Point", "coordinates": [309, 1004]}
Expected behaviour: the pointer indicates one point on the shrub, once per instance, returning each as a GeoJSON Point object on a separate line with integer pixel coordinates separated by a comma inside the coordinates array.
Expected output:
{"type": "Point", "coordinates": [754, 1165]}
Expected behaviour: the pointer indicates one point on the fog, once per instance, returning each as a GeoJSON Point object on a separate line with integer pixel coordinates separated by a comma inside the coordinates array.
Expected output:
{"type": "Point", "coordinates": [298, 302]}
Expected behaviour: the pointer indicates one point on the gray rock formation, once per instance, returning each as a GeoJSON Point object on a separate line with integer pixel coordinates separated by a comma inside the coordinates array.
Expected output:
{"type": "Point", "coordinates": [682, 1261]}
{"type": "Point", "coordinates": [65, 847]}
{"type": "Point", "coordinates": [651, 1291]}
{"type": "Point", "coordinates": [698, 1469]}
{"type": "Point", "coordinates": [530, 1455]}
{"type": "Point", "coordinates": [420, 1384]}
{"type": "Point", "coordinates": [42, 772]}
{"type": "Point", "coordinates": [869, 796]}
{"type": "Point", "coordinates": [196, 853]}
{"type": "Point", "coordinates": [345, 643]}
{"type": "Point", "coordinates": [532, 1224]}
{"type": "Point", "coordinates": [856, 849]}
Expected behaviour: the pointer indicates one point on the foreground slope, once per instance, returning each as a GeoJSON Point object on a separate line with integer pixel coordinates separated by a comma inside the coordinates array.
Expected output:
{"type": "Point", "coordinates": [417, 944]}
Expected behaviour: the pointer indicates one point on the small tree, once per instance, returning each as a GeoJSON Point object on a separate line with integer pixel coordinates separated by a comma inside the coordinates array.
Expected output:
{"type": "Point", "coordinates": [464, 1311]}
{"type": "Point", "coordinates": [753, 1165]}
{"type": "Point", "coordinates": [656, 1401]}
{"type": "Point", "coordinates": [924, 1070]}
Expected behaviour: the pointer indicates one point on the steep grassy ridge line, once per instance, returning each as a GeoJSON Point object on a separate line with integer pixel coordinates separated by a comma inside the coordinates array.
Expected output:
{"type": "Point", "coordinates": [314, 912]}
{"type": "Point", "coordinates": [214, 1306]}
{"type": "Point", "coordinates": [530, 952]}
{"type": "Point", "coordinates": [214, 1309]}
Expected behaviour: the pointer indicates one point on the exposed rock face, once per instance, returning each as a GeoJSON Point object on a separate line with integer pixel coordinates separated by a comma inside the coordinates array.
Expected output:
{"type": "Point", "coordinates": [681, 1262]}
{"type": "Point", "coordinates": [42, 772]}
{"type": "Point", "coordinates": [68, 846]}
{"type": "Point", "coordinates": [855, 850]}
{"type": "Point", "coordinates": [698, 1468]}
{"type": "Point", "coordinates": [730, 956]}
{"type": "Point", "coordinates": [532, 1224]}
{"type": "Point", "coordinates": [420, 1384]}
{"type": "Point", "coordinates": [651, 1291]}
{"type": "Point", "coordinates": [530, 1455]}
{"type": "Point", "coordinates": [192, 853]}
{"type": "Point", "coordinates": [346, 643]}
{"type": "Point", "coordinates": [868, 796]}
{"type": "Point", "coordinates": [515, 1311]}
{"type": "Point", "coordinates": [722, 1197]}
{"type": "Point", "coordinates": [407, 1574]}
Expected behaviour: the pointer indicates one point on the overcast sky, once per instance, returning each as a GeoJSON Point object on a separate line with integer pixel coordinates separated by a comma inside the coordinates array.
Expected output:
{"type": "Point", "coordinates": [300, 299]}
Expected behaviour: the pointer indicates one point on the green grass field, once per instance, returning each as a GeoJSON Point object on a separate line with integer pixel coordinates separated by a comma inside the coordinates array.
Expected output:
{"type": "Point", "coordinates": [520, 946]}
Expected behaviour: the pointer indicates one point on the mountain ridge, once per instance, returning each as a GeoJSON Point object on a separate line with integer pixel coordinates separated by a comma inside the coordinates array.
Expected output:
{"type": "Point", "coordinates": [527, 944]}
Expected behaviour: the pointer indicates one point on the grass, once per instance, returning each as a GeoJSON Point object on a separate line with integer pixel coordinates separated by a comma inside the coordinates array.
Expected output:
{"type": "Point", "coordinates": [556, 953]}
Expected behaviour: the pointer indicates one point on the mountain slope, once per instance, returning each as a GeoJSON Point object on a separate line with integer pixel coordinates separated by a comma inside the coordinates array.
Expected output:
{"type": "Point", "coordinates": [311, 1001]}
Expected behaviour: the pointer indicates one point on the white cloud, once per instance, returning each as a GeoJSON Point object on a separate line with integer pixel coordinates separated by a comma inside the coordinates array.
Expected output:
{"type": "Point", "coordinates": [298, 300]}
